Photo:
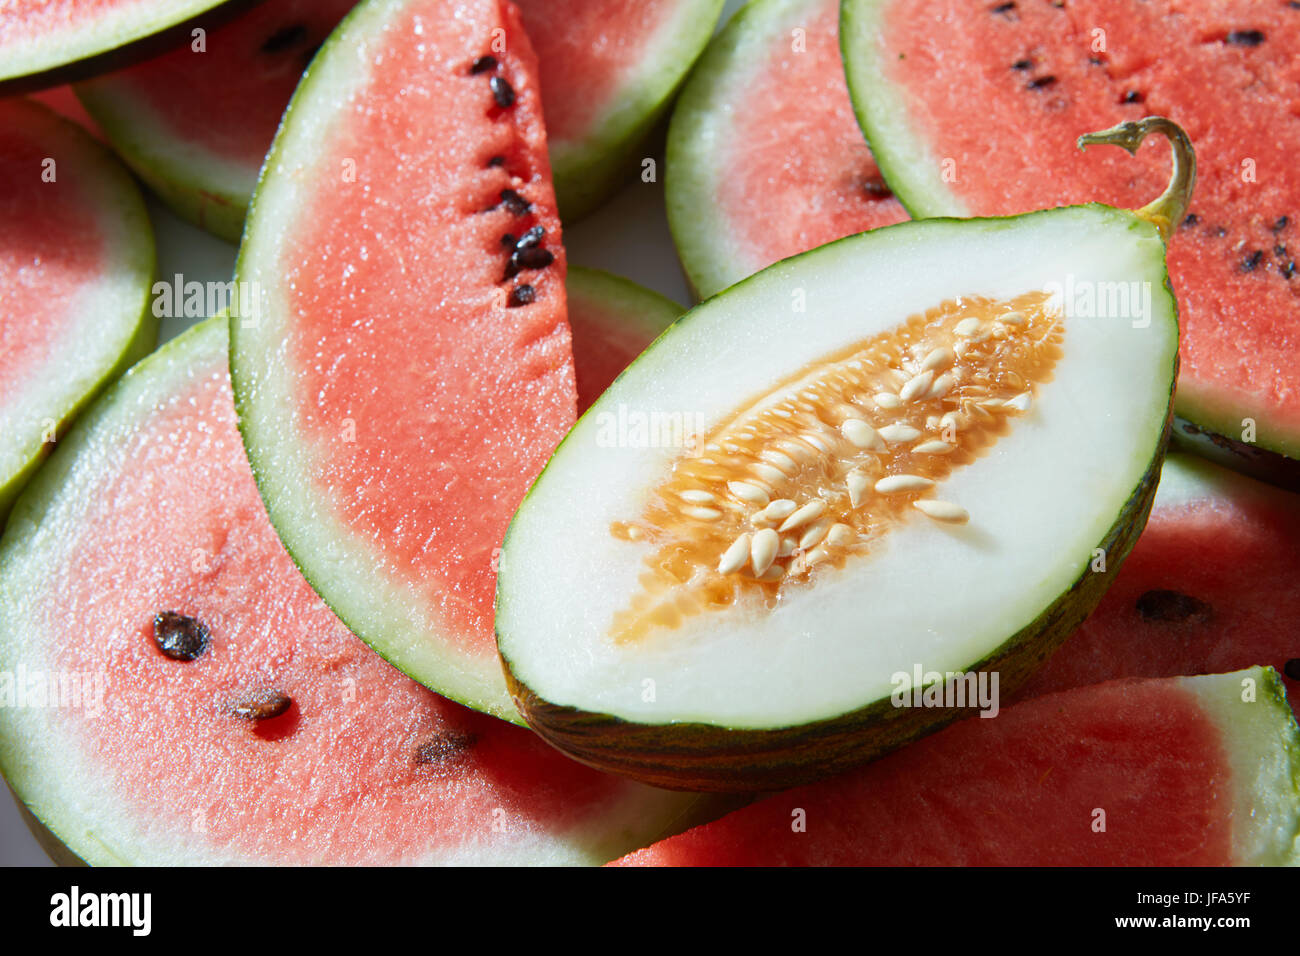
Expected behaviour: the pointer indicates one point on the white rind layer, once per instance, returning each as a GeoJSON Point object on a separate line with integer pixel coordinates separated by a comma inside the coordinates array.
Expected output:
{"type": "Point", "coordinates": [938, 596]}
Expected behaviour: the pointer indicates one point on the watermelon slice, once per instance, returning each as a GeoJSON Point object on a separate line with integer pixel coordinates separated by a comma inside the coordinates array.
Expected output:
{"type": "Point", "coordinates": [76, 263]}
{"type": "Point", "coordinates": [1209, 587]}
{"type": "Point", "coordinates": [410, 372]}
{"type": "Point", "coordinates": [764, 157]}
{"type": "Point", "coordinates": [613, 321]}
{"type": "Point", "coordinates": [1175, 772]}
{"type": "Point", "coordinates": [978, 117]}
{"type": "Point", "coordinates": [42, 41]}
{"type": "Point", "coordinates": [187, 754]}
{"type": "Point", "coordinates": [196, 125]}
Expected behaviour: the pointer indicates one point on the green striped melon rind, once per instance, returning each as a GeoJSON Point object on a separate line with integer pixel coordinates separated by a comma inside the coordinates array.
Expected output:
{"type": "Point", "coordinates": [112, 43]}
{"type": "Point", "coordinates": [686, 755]}
{"type": "Point", "coordinates": [914, 174]}
{"type": "Point", "coordinates": [138, 326]}
{"type": "Point", "coordinates": [586, 172]}
{"type": "Point", "coordinates": [641, 310]}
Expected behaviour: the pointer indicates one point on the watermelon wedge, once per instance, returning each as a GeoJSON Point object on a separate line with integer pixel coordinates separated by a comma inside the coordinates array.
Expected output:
{"type": "Point", "coordinates": [76, 263]}
{"type": "Point", "coordinates": [1195, 771]}
{"type": "Point", "coordinates": [196, 125]}
{"type": "Point", "coordinates": [613, 321]}
{"type": "Point", "coordinates": [47, 41]}
{"type": "Point", "coordinates": [249, 726]}
{"type": "Point", "coordinates": [972, 109]}
{"type": "Point", "coordinates": [410, 371]}
{"type": "Point", "coordinates": [764, 157]}
{"type": "Point", "coordinates": [1209, 587]}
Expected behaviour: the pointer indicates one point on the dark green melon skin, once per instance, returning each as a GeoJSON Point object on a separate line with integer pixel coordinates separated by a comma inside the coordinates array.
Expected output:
{"type": "Point", "coordinates": [704, 757]}
{"type": "Point", "coordinates": [136, 51]}
{"type": "Point", "coordinates": [1253, 460]}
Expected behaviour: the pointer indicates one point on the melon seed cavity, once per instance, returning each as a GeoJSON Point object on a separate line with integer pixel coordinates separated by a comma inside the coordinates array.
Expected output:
{"type": "Point", "coordinates": [180, 637]}
{"type": "Point", "coordinates": [809, 475]}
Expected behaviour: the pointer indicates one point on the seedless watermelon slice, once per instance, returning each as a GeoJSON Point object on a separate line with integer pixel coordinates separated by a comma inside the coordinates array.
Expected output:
{"type": "Point", "coordinates": [1175, 772]}
{"type": "Point", "coordinates": [38, 38]}
{"type": "Point", "coordinates": [977, 116]}
{"type": "Point", "coordinates": [402, 386]}
{"type": "Point", "coordinates": [764, 157]}
{"type": "Point", "coordinates": [1209, 587]}
{"type": "Point", "coordinates": [149, 507]}
{"type": "Point", "coordinates": [76, 262]}
{"type": "Point", "coordinates": [613, 321]}
{"type": "Point", "coordinates": [196, 125]}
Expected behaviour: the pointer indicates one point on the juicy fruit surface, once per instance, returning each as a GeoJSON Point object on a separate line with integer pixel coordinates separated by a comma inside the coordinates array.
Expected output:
{"type": "Point", "coordinates": [364, 765]}
{"type": "Point", "coordinates": [1020, 789]}
{"type": "Point", "coordinates": [453, 410]}
{"type": "Point", "coordinates": [1226, 72]}
{"type": "Point", "coordinates": [765, 134]}
{"type": "Point", "coordinates": [1209, 587]}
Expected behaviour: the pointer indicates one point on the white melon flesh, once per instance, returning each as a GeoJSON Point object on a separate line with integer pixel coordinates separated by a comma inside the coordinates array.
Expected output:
{"type": "Point", "coordinates": [940, 596]}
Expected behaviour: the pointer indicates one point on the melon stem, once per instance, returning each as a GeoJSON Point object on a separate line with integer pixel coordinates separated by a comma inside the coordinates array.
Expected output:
{"type": "Point", "coordinates": [1168, 210]}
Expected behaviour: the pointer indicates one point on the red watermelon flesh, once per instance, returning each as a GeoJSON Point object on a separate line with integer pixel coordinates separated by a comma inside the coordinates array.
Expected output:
{"type": "Point", "coordinates": [1209, 587]}
{"type": "Point", "coordinates": [1162, 759]}
{"type": "Point", "coordinates": [1003, 91]}
{"type": "Point", "coordinates": [764, 138]}
{"type": "Point", "coordinates": [365, 766]}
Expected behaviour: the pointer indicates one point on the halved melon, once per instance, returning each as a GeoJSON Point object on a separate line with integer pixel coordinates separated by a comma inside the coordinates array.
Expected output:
{"type": "Point", "coordinates": [410, 370]}
{"type": "Point", "coordinates": [76, 263]}
{"type": "Point", "coordinates": [904, 453]}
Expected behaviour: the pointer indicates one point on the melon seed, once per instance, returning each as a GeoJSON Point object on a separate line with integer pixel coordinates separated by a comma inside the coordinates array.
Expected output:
{"type": "Point", "coordinates": [1246, 37]}
{"type": "Point", "coordinates": [483, 64]}
{"type": "Point", "coordinates": [262, 705]}
{"type": "Point", "coordinates": [515, 204]}
{"type": "Point", "coordinates": [1292, 668]}
{"type": "Point", "coordinates": [763, 550]}
{"type": "Point", "coordinates": [1171, 607]}
{"type": "Point", "coordinates": [180, 637]}
{"type": "Point", "coordinates": [283, 39]}
{"type": "Point", "coordinates": [502, 92]}
{"type": "Point", "coordinates": [521, 295]}
{"type": "Point", "coordinates": [444, 748]}
{"type": "Point", "coordinates": [496, 161]}
{"type": "Point", "coordinates": [1041, 83]}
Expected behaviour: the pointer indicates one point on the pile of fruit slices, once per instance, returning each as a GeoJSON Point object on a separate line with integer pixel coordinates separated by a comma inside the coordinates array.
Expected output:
{"type": "Point", "coordinates": [868, 490]}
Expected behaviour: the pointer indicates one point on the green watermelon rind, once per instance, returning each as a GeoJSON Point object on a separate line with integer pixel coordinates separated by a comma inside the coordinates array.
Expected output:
{"type": "Point", "coordinates": [140, 331]}
{"type": "Point", "coordinates": [624, 301]}
{"type": "Point", "coordinates": [913, 173]}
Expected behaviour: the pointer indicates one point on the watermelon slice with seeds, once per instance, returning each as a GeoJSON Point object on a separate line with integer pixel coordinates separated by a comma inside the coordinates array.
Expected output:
{"type": "Point", "coordinates": [1209, 587]}
{"type": "Point", "coordinates": [196, 125]}
{"type": "Point", "coordinates": [210, 708]}
{"type": "Point", "coordinates": [410, 370]}
{"type": "Point", "coordinates": [44, 42]}
{"type": "Point", "coordinates": [76, 263]}
{"type": "Point", "coordinates": [978, 116]}
{"type": "Point", "coordinates": [1192, 771]}
{"type": "Point", "coordinates": [764, 157]}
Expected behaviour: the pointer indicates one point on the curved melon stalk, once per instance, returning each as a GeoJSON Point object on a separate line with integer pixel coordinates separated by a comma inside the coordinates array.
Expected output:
{"type": "Point", "coordinates": [196, 125]}
{"type": "Point", "coordinates": [410, 370]}
{"type": "Point", "coordinates": [764, 157]}
{"type": "Point", "coordinates": [889, 471]}
{"type": "Point", "coordinates": [76, 263]}
{"type": "Point", "coordinates": [1219, 785]}
{"type": "Point", "coordinates": [43, 43]}
{"type": "Point", "coordinates": [159, 744]}
{"type": "Point", "coordinates": [975, 119]}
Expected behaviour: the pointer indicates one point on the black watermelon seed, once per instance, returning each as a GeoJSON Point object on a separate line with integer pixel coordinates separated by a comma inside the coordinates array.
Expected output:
{"type": "Point", "coordinates": [1281, 224]}
{"type": "Point", "coordinates": [531, 238]}
{"type": "Point", "coordinates": [521, 295]}
{"type": "Point", "coordinates": [448, 747]}
{"type": "Point", "coordinates": [1022, 64]}
{"type": "Point", "coordinates": [496, 161]}
{"type": "Point", "coordinates": [1041, 82]}
{"type": "Point", "coordinates": [1246, 37]}
{"type": "Point", "coordinates": [1171, 607]}
{"type": "Point", "coordinates": [1288, 270]}
{"type": "Point", "coordinates": [1004, 8]}
{"type": "Point", "coordinates": [877, 188]}
{"type": "Point", "coordinates": [502, 92]}
{"type": "Point", "coordinates": [1132, 96]}
{"type": "Point", "coordinates": [1191, 220]}
{"type": "Point", "coordinates": [514, 202]}
{"type": "Point", "coordinates": [1279, 251]}
{"type": "Point", "coordinates": [534, 257]}
{"type": "Point", "coordinates": [1292, 668]}
{"type": "Point", "coordinates": [1096, 60]}
{"type": "Point", "coordinates": [1251, 261]}
{"type": "Point", "coordinates": [263, 705]}
{"type": "Point", "coordinates": [482, 65]}
{"type": "Point", "coordinates": [509, 240]}
{"type": "Point", "coordinates": [285, 38]}
{"type": "Point", "coordinates": [1220, 231]}
{"type": "Point", "coordinates": [180, 637]}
